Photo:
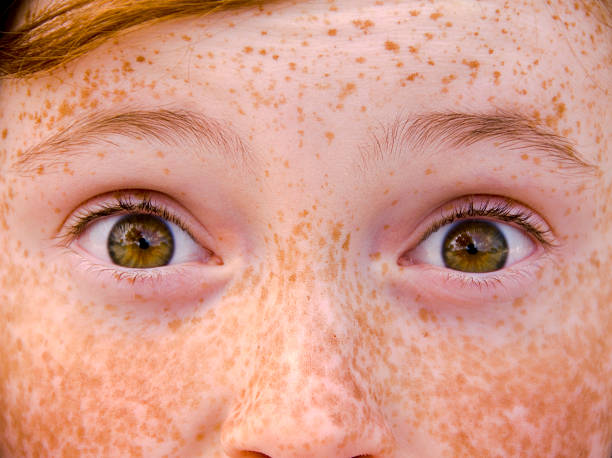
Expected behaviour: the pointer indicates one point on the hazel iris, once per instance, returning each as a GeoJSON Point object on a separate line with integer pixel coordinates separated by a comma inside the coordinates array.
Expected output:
{"type": "Point", "coordinates": [475, 246]}
{"type": "Point", "coordinates": [140, 241]}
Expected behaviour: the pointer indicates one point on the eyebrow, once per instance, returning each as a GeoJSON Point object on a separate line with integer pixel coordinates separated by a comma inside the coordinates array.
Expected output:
{"type": "Point", "coordinates": [507, 130]}
{"type": "Point", "coordinates": [423, 132]}
{"type": "Point", "coordinates": [169, 127]}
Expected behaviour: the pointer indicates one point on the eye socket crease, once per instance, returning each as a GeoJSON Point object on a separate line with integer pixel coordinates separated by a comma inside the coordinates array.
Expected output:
{"type": "Point", "coordinates": [510, 130]}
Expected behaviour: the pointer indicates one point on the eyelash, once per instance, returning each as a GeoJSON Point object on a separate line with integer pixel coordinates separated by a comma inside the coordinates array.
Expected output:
{"type": "Point", "coordinates": [123, 204]}
{"type": "Point", "coordinates": [142, 203]}
{"type": "Point", "coordinates": [508, 281]}
{"type": "Point", "coordinates": [496, 208]}
{"type": "Point", "coordinates": [500, 209]}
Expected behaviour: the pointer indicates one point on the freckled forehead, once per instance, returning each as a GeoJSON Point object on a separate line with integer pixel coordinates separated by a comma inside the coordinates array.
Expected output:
{"type": "Point", "coordinates": [548, 60]}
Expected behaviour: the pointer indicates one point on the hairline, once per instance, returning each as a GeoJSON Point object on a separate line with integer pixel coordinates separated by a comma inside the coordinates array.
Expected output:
{"type": "Point", "coordinates": [45, 42]}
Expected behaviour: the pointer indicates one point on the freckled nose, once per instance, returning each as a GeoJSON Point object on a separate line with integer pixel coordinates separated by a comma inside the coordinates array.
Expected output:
{"type": "Point", "coordinates": [310, 393]}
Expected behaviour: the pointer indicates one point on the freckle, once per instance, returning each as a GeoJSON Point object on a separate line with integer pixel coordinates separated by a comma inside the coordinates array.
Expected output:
{"type": "Point", "coordinates": [330, 137]}
{"type": "Point", "coordinates": [186, 37]}
{"type": "Point", "coordinates": [65, 109]}
{"type": "Point", "coordinates": [536, 160]}
{"type": "Point", "coordinates": [167, 171]}
{"type": "Point", "coordinates": [385, 268]}
{"type": "Point", "coordinates": [336, 232]}
{"type": "Point", "coordinates": [524, 156]}
{"type": "Point", "coordinates": [56, 210]}
{"type": "Point", "coordinates": [519, 302]}
{"type": "Point", "coordinates": [385, 227]}
{"type": "Point", "coordinates": [428, 172]}
{"type": "Point", "coordinates": [435, 16]}
{"type": "Point", "coordinates": [332, 32]}
{"type": "Point", "coordinates": [392, 46]}
{"type": "Point", "coordinates": [140, 59]}
{"type": "Point", "coordinates": [423, 315]}
{"type": "Point", "coordinates": [4, 133]}
{"type": "Point", "coordinates": [247, 49]}
{"type": "Point", "coordinates": [414, 13]}
{"type": "Point", "coordinates": [347, 90]}
{"type": "Point", "coordinates": [127, 67]}
{"type": "Point", "coordinates": [286, 164]}
{"type": "Point", "coordinates": [360, 60]}
{"type": "Point", "coordinates": [363, 25]}
{"type": "Point", "coordinates": [394, 203]}
{"type": "Point", "coordinates": [471, 63]}
{"type": "Point", "coordinates": [347, 241]}
{"type": "Point", "coordinates": [174, 325]}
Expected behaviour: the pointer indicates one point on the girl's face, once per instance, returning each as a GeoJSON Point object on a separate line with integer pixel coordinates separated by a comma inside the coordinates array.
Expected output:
{"type": "Point", "coordinates": [372, 238]}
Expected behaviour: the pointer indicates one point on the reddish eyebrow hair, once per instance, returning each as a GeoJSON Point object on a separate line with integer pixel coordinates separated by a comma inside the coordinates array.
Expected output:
{"type": "Point", "coordinates": [507, 130]}
{"type": "Point", "coordinates": [171, 127]}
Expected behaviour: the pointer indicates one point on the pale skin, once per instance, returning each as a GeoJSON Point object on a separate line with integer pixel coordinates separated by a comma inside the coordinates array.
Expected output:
{"type": "Point", "coordinates": [307, 333]}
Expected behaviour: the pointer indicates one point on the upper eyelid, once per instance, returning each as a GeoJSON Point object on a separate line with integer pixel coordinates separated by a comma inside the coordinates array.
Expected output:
{"type": "Point", "coordinates": [77, 222]}
{"type": "Point", "coordinates": [496, 208]}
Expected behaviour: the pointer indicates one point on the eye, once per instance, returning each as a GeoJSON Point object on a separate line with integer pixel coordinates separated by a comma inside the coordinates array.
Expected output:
{"type": "Point", "coordinates": [474, 246]}
{"type": "Point", "coordinates": [137, 240]}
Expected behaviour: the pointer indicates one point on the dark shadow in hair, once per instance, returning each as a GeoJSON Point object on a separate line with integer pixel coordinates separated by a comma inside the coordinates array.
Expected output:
{"type": "Point", "coordinates": [8, 15]}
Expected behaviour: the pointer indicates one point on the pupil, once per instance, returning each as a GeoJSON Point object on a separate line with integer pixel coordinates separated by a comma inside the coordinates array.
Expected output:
{"type": "Point", "coordinates": [471, 249]}
{"type": "Point", "coordinates": [142, 243]}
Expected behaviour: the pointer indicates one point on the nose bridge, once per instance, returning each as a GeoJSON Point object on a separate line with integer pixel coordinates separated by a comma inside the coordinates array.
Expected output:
{"type": "Point", "coordinates": [305, 395]}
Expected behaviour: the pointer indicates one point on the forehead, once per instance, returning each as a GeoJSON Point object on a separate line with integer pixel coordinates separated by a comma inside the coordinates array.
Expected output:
{"type": "Point", "coordinates": [321, 62]}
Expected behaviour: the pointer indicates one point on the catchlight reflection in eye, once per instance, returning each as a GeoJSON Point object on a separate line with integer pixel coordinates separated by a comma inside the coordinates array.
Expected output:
{"type": "Point", "coordinates": [141, 241]}
{"type": "Point", "coordinates": [474, 246]}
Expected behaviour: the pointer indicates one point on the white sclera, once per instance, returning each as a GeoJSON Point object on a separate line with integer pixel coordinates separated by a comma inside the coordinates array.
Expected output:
{"type": "Point", "coordinates": [429, 251]}
{"type": "Point", "coordinates": [95, 241]}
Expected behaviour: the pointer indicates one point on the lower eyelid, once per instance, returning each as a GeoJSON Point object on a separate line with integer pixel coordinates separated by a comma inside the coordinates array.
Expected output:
{"type": "Point", "coordinates": [179, 284]}
{"type": "Point", "coordinates": [445, 287]}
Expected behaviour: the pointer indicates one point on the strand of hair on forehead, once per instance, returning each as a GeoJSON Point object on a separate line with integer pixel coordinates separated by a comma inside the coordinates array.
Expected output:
{"type": "Point", "coordinates": [66, 30]}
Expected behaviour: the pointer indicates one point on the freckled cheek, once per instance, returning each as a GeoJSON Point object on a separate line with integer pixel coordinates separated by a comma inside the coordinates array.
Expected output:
{"type": "Point", "coordinates": [65, 373]}
{"type": "Point", "coordinates": [47, 337]}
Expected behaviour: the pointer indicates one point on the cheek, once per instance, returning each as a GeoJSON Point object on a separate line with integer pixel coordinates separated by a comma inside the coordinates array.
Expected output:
{"type": "Point", "coordinates": [544, 390]}
{"type": "Point", "coordinates": [68, 378]}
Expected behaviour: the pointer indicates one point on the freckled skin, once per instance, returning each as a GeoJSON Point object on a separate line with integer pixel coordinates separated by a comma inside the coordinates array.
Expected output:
{"type": "Point", "coordinates": [308, 341]}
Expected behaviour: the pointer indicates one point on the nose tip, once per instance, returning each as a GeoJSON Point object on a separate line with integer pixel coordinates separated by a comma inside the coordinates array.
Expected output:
{"type": "Point", "coordinates": [317, 420]}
